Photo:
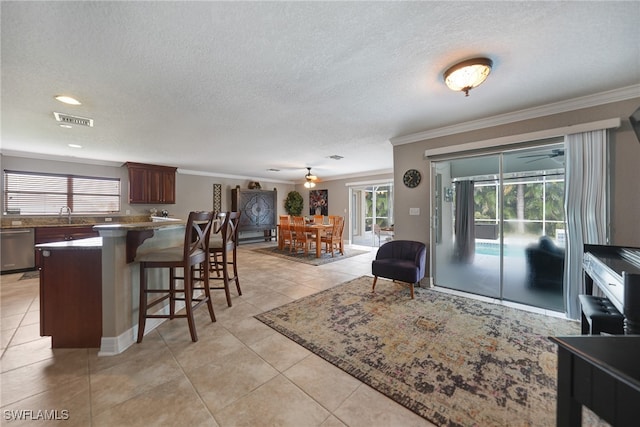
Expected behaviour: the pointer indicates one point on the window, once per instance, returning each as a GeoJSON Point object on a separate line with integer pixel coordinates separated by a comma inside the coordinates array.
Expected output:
{"type": "Point", "coordinates": [30, 193]}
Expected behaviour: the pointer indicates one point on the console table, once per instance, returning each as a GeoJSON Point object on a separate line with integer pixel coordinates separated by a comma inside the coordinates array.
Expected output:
{"type": "Point", "coordinates": [601, 373]}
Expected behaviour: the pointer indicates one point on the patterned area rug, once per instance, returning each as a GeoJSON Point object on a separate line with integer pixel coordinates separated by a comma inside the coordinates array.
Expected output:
{"type": "Point", "coordinates": [311, 257]}
{"type": "Point", "coordinates": [453, 360]}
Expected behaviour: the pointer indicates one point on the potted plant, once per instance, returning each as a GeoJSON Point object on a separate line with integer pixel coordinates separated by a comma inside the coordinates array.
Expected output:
{"type": "Point", "coordinates": [293, 203]}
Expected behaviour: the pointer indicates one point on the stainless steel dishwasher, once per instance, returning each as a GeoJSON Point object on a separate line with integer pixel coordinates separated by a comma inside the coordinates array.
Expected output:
{"type": "Point", "coordinates": [17, 245]}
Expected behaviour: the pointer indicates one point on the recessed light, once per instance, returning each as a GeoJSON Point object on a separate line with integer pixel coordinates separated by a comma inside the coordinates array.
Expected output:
{"type": "Point", "coordinates": [66, 126]}
{"type": "Point", "coordinates": [75, 146]}
{"type": "Point", "coordinates": [68, 100]}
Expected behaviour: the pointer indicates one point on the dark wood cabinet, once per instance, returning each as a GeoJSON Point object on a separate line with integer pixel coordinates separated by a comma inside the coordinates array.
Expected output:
{"type": "Point", "coordinates": [259, 213]}
{"type": "Point", "coordinates": [71, 297]}
{"type": "Point", "coordinates": [151, 184]}
{"type": "Point", "coordinates": [61, 234]}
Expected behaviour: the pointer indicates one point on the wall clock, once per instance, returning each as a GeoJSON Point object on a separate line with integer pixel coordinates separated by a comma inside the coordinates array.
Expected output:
{"type": "Point", "coordinates": [412, 178]}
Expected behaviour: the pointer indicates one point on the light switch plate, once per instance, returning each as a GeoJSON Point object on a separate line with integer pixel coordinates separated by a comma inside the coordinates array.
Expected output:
{"type": "Point", "coordinates": [414, 211]}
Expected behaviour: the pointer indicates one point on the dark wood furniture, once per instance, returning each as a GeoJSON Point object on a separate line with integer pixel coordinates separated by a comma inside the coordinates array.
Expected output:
{"type": "Point", "coordinates": [223, 247]}
{"type": "Point", "coordinates": [601, 373]}
{"type": "Point", "coordinates": [259, 213]}
{"type": "Point", "coordinates": [615, 270]}
{"type": "Point", "coordinates": [61, 234]}
{"type": "Point", "coordinates": [149, 184]}
{"type": "Point", "coordinates": [71, 294]}
{"type": "Point", "coordinates": [191, 255]}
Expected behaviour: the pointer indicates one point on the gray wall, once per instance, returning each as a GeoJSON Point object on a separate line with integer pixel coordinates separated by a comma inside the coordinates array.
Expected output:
{"type": "Point", "coordinates": [624, 167]}
{"type": "Point", "coordinates": [193, 192]}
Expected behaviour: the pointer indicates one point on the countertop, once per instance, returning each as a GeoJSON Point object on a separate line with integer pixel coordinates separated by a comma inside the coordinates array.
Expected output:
{"type": "Point", "coordinates": [13, 222]}
{"type": "Point", "coordinates": [90, 243]}
{"type": "Point", "coordinates": [82, 221]}
{"type": "Point", "coordinates": [140, 225]}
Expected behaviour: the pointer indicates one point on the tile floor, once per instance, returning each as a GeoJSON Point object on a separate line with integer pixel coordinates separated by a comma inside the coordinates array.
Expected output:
{"type": "Point", "coordinates": [239, 373]}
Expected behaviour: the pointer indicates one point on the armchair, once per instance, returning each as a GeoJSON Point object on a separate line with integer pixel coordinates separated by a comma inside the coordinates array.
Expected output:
{"type": "Point", "coordinates": [401, 260]}
{"type": "Point", "coordinates": [545, 264]}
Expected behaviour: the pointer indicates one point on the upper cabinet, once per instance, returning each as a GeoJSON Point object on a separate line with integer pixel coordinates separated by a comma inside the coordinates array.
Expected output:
{"type": "Point", "coordinates": [151, 184]}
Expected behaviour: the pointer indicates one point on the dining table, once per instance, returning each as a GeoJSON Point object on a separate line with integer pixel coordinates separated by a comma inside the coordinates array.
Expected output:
{"type": "Point", "coordinates": [317, 229]}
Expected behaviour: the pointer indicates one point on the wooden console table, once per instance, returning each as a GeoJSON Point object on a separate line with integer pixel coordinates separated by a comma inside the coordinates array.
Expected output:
{"type": "Point", "coordinates": [601, 373]}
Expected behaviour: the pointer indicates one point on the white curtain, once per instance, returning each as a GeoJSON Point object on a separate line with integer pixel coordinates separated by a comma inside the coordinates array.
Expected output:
{"type": "Point", "coordinates": [586, 206]}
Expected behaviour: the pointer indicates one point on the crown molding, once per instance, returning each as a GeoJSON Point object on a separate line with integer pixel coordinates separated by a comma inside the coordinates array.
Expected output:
{"type": "Point", "coordinates": [621, 94]}
{"type": "Point", "coordinates": [229, 176]}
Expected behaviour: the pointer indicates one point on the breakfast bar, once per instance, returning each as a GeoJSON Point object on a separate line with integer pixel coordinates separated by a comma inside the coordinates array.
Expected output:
{"type": "Point", "coordinates": [120, 276]}
{"type": "Point", "coordinates": [89, 287]}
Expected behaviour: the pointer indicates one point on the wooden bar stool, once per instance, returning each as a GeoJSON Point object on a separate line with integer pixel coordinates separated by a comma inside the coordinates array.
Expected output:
{"type": "Point", "coordinates": [223, 252]}
{"type": "Point", "coordinates": [193, 252]}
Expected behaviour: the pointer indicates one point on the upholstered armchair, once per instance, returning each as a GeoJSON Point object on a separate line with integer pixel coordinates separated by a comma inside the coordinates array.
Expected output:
{"type": "Point", "coordinates": [545, 264]}
{"type": "Point", "coordinates": [401, 260]}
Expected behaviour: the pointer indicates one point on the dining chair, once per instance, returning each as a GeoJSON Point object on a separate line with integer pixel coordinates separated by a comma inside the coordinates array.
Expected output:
{"type": "Point", "coordinates": [192, 253]}
{"type": "Point", "coordinates": [333, 238]}
{"type": "Point", "coordinates": [318, 219]}
{"type": "Point", "coordinates": [286, 234]}
{"type": "Point", "coordinates": [223, 247]}
{"type": "Point", "coordinates": [302, 239]}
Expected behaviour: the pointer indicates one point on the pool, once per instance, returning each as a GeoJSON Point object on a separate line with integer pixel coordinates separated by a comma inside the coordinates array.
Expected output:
{"type": "Point", "coordinates": [493, 249]}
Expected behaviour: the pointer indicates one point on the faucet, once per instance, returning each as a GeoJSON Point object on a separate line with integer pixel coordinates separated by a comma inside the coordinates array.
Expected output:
{"type": "Point", "coordinates": [67, 210]}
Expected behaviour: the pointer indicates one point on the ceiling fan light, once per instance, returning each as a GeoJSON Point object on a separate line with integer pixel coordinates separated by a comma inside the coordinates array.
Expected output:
{"type": "Point", "coordinates": [468, 74]}
{"type": "Point", "coordinates": [309, 184]}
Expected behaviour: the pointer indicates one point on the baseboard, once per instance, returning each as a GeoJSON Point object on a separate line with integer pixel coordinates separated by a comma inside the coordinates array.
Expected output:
{"type": "Point", "coordinates": [110, 346]}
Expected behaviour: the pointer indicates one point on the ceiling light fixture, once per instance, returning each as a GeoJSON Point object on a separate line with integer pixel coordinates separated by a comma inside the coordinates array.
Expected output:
{"type": "Point", "coordinates": [310, 178]}
{"type": "Point", "coordinates": [74, 145]}
{"type": "Point", "coordinates": [68, 100]}
{"type": "Point", "coordinates": [468, 74]}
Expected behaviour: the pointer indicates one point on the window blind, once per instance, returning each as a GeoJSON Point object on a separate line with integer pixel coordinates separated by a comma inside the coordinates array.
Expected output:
{"type": "Point", "coordinates": [30, 193]}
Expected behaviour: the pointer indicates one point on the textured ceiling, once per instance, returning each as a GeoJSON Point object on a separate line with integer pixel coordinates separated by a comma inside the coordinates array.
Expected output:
{"type": "Point", "coordinates": [237, 88]}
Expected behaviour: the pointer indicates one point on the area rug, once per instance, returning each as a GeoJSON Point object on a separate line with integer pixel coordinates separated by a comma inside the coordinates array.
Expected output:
{"type": "Point", "coordinates": [311, 257]}
{"type": "Point", "coordinates": [455, 361]}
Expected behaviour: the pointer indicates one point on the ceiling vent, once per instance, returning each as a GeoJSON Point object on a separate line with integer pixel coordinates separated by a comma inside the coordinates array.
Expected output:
{"type": "Point", "coordinates": [73, 120]}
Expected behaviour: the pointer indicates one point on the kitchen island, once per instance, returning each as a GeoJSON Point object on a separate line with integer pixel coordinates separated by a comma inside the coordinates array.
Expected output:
{"type": "Point", "coordinates": [121, 243]}
{"type": "Point", "coordinates": [100, 273]}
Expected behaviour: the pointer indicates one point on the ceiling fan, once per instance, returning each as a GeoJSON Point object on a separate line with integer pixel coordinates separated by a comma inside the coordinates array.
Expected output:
{"type": "Point", "coordinates": [556, 152]}
{"type": "Point", "coordinates": [310, 178]}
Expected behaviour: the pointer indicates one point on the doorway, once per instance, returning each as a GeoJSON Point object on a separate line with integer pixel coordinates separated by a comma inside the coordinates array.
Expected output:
{"type": "Point", "coordinates": [371, 208]}
{"type": "Point", "coordinates": [499, 225]}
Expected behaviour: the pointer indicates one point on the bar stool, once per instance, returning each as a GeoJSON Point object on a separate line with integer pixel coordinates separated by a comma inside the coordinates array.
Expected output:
{"type": "Point", "coordinates": [193, 252]}
{"type": "Point", "coordinates": [223, 243]}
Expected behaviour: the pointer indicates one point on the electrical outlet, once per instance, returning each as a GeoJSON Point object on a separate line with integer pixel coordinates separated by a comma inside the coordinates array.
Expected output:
{"type": "Point", "coordinates": [107, 220]}
{"type": "Point", "coordinates": [414, 211]}
{"type": "Point", "coordinates": [16, 222]}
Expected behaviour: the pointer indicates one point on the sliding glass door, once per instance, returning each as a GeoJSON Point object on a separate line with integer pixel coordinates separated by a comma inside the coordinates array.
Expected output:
{"type": "Point", "coordinates": [371, 212]}
{"type": "Point", "coordinates": [499, 225]}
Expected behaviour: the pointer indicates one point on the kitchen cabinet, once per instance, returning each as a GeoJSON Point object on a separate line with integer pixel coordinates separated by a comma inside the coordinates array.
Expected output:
{"type": "Point", "coordinates": [151, 184]}
{"type": "Point", "coordinates": [71, 294]}
{"type": "Point", "coordinates": [259, 213]}
{"type": "Point", "coordinates": [61, 234]}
